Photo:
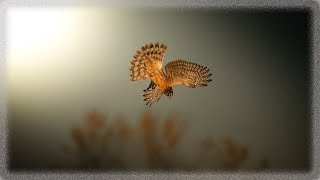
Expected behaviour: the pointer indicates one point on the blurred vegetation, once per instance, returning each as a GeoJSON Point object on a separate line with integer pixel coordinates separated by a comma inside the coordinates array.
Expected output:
{"type": "Point", "coordinates": [102, 143]}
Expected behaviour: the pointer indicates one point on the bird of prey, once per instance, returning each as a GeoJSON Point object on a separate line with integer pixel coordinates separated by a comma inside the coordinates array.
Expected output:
{"type": "Point", "coordinates": [147, 63]}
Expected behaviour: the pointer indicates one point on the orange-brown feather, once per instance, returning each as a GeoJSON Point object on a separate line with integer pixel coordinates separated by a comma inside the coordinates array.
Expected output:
{"type": "Point", "coordinates": [148, 61]}
{"type": "Point", "coordinates": [160, 79]}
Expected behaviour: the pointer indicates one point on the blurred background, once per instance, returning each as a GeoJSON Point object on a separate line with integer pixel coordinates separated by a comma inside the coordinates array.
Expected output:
{"type": "Point", "coordinates": [72, 104]}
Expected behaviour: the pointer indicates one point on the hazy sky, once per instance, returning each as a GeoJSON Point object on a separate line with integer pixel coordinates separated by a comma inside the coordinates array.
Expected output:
{"type": "Point", "coordinates": [64, 62]}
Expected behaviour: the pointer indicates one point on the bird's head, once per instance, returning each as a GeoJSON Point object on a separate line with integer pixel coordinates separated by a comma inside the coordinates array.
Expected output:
{"type": "Point", "coordinates": [168, 92]}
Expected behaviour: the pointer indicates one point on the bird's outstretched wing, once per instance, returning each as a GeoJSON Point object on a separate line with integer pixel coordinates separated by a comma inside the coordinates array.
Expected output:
{"type": "Point", "coordinates": [180, 72]}
{"type": "Point", "coordinates": [152, 93]}
{"type": "Point", "coordinates": [147, 61]}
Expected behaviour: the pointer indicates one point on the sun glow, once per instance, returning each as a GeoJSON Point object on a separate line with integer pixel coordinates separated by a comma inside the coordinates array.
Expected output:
{"type": "Point", "coordinates": [30, 28]}
{"type": "Point", "coordinates": [42, 45]}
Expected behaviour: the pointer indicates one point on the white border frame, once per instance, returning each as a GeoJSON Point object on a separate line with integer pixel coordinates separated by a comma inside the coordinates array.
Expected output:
{"type": "Point", "coordinates": [228, 4]}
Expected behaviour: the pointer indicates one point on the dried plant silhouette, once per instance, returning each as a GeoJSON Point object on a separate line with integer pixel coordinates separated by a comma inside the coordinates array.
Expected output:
{"type": "Point", "coordinates": [103, 143]}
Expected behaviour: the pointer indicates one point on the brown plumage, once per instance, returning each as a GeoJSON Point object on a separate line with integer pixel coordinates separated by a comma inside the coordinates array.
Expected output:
{"type": "Point", "coordinates": [148, 62]}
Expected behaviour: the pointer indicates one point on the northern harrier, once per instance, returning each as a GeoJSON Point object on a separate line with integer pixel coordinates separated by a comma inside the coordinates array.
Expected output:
{"type": "Point", "coordinates": [148, 62]}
